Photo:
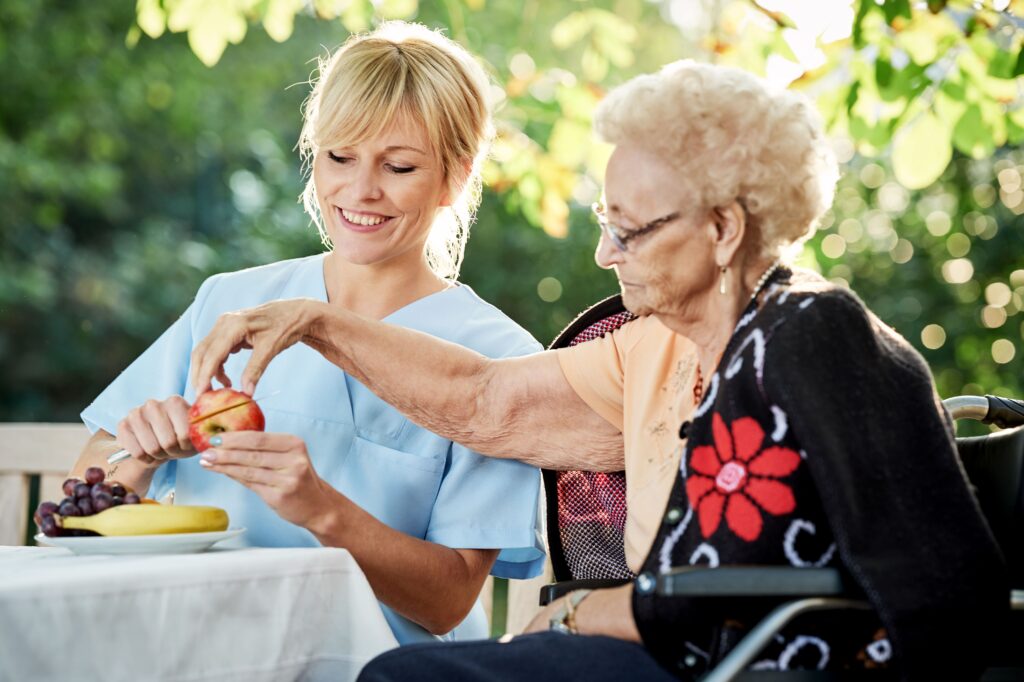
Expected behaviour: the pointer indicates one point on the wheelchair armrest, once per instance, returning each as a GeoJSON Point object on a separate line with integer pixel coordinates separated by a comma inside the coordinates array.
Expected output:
{"type": "Point", "coordinates": [550, 593]}
{"type": "Point", "coordinates": [753, 581]}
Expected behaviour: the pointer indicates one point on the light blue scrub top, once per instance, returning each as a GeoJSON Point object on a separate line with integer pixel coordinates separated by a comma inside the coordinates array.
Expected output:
{"type": "Point", "coordinates": [409, 478]}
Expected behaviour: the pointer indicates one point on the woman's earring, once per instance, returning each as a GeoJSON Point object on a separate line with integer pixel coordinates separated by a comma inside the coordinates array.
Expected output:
{"type": "Point", "coordinates": [721, 281]}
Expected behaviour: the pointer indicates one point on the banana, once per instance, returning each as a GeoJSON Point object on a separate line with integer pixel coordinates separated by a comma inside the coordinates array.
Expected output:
{"type": "Point", "coordinates": [150, 519]}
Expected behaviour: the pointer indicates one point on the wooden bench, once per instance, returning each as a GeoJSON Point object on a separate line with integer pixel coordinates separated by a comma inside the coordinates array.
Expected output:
{"type": "Point", "coordinates": [35, 459]}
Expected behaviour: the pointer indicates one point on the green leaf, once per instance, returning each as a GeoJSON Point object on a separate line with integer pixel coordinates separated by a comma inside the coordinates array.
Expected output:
{"type": "Point", "coordinates": [357, 16]}
{"type": "Point", "coordinates": [214, 26]}
{"type": "Point", "coordinates": [568, 142]}
{"type": "Point", "coordinates": [895, 9]}
{"type": "Point", "coordinates": [570, 30]}
{"type": "Point", "coordinates": [279, 19]}
{"type": "Point", "coordinates": [594, 64]}
{"type": "Point", "coordinates": [1018, 69]}
{"type": "Point", "coordinates": [883, 72]}
{"type": "Point", "coordinates": [151, 17]}
{"type": "Point", "coordinates": [863, 8]}
{"type": "Point", "coordinates": [921, 152]}
{"type": "Point", "coordinates": [851, 96]}
{"type": "Point", "coordinates": [971, 136]}
{"type": "Point", "coordinates": [948, 108]}
{"type": "Point", "coordinates": [398, 9]}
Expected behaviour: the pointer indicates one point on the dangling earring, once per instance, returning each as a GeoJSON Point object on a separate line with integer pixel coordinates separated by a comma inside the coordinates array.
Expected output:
{"type": "Point", "coordinates": [721, 281]}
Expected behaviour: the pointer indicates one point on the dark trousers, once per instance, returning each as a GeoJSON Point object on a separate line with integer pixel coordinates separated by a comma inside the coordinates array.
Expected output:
{"type": "Point", "coordinates": [535, 658]}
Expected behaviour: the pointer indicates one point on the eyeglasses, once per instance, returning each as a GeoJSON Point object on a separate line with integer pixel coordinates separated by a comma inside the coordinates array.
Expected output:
{"type": "Point", "coordinates": [620, 236]}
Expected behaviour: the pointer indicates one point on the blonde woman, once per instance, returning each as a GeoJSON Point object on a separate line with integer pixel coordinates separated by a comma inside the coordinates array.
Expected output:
{"type": "Point", "coordinates": [395, 130]}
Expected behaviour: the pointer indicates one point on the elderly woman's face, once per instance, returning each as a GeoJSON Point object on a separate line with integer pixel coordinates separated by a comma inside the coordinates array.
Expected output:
{"type": "Point", "coordinates": [379, 198]}
{"type": "Point", "coordinates": [666, 266]}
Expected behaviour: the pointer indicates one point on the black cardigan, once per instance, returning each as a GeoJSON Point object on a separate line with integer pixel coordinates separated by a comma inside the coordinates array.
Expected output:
{"type": "Point", "coordinates": [829, 416]}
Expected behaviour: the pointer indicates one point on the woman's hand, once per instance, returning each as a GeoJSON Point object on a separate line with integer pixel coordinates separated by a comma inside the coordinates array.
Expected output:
{"type": "Point", "coordinates": [542, 621]}
{"type": "Point", "coordinates": [267, 329]}
{"type": "Point", "coordinates": [276, 467]}
{"type": "Point", "coordinates": [607, 611]}
{"type": "Point", "coordinates": [156, 431]}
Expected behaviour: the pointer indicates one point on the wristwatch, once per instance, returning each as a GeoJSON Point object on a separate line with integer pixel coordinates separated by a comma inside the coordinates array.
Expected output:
{"type": "Point", "coordinates": [564, 619]}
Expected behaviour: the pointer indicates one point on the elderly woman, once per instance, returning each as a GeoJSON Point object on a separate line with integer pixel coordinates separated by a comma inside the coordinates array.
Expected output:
{"type": "Point", "coordinates": [395, 132]}
{"type": "Point", "coordinates": [818, 439]}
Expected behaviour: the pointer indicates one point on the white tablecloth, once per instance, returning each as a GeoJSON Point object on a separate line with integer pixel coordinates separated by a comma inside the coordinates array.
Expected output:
{"type": "Point", "coordinates": [252, 614]}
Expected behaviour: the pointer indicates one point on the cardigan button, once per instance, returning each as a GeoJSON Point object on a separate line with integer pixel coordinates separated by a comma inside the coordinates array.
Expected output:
{"type": "Point", "coordinates": [673, 515]}
{"type": "Point", "coordinates": [645, 583]}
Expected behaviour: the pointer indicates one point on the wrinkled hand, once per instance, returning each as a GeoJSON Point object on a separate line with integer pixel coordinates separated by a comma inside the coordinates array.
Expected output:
{"type": "Point", "coordinates": [276, 467]}
{"type": "Point", "coordinates": [267, 329]}
{"type": "Point", "coordinates": [542, 621]}
{"type": "Point", "coordinates": [157, 431]}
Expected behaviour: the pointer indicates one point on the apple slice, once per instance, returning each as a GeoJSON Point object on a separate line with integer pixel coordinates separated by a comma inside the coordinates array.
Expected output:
{"type": "Point", "coordinates": [228, 410]}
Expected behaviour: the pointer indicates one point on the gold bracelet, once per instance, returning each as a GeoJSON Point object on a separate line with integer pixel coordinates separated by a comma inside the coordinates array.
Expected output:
{"type": "Point", "coordinates": [572, 601]}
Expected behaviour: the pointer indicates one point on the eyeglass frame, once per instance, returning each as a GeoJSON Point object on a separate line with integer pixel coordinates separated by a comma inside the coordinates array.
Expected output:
{"type": "Point", "coordinates": [612, 230]}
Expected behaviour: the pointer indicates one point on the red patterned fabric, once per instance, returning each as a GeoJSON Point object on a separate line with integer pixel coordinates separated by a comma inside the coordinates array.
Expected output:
{"type": "Point", "coordinates": [737, 479]}
{"type": "Point", "coordinates": [602, 327]}
{"type": "Point", "coordinates": [592, 505]}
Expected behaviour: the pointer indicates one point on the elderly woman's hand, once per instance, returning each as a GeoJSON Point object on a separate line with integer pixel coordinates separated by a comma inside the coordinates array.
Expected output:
{"type": "Point", "coordinates": [267, 329]}
{"type": "Point", "coordinates": [156, 431]}
{"type": "Point", "coordinates": [276, 467]}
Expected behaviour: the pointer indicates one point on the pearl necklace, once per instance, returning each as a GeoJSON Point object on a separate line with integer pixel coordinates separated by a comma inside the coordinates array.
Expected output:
{"type": "Point", "coordinates": [764, 280]}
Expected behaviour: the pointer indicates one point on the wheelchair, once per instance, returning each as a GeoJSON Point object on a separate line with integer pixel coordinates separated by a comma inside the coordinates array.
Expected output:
{"type": "Point", "coordinates": [586, 519]}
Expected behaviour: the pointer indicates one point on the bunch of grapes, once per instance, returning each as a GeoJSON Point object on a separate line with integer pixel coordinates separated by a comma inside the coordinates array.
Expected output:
{"type": "Point", "coordinates": [84, 498]}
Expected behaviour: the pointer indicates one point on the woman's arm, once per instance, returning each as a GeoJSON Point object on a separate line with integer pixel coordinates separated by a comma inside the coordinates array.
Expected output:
{"type": "Point", "coordinates": [607, 612]}
{"type": "Point", "coordinates": [521, 408]}
{"type": "Point", "coordinates": [428, 583]}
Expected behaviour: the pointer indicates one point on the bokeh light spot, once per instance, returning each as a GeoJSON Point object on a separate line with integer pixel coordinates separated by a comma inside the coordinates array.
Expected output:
{"type": "Point", "coordinates": [933, 336]}
{"type": "Point", "coordinates": [1003, 351]}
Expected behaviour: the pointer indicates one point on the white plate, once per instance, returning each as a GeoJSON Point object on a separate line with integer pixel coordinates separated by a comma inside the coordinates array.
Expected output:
{"type": "Point", "coordinates": [171, 543]}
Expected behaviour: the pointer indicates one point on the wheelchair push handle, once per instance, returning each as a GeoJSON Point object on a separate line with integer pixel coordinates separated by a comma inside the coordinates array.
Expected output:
{"type": "Point", "coordinates": [1005, 412]}
{"type": "Point", "coordinates": [990, 409]}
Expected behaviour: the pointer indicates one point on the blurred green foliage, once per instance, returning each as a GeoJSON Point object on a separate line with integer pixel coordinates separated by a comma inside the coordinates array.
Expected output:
{"type": "Point", "coordinates": [139, 153]}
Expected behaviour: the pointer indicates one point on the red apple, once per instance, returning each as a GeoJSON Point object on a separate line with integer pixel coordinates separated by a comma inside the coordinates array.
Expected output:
{"type": "Point", "coordinates": [229, 410]}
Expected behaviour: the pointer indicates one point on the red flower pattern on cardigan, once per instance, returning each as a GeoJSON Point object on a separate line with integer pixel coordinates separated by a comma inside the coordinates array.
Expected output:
{"type": "Point", "coordinates": [735, 478]}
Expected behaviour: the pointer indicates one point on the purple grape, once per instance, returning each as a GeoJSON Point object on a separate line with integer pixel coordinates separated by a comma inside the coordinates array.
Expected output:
{"type": "Point", "coordinates": [67, 500]}
{"type": "Point", "coordinates": [118, 490]}
{"type": "Point", "coordinates": [100, 488]}
{"type": "Point", "coordinates": [83, 490]}
{"type": "Point", "coordinates": [43, 510]}
{"type": "Point", "coordinates": [94, 475]}
{"type": "Point", "coordinates": [102, 502]}
{"type": "Point", "coordinates": [49, 527]}
{"type": "Point", "coordinates": [69, 509]}
{"type": "Point", "coordinates": [116, 501]}
{"type": "Point", "coordinates": [80, 533]}
{"type": "Point", "coordinates": [132, 498]}
{"type": "Point", "coordinates": [85, 506]}
{"type": "Point", "coordinates": [69, 486]}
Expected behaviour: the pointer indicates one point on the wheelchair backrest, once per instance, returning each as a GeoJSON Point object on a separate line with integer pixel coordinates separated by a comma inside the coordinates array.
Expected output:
{"type": "Point", "coordinates": [586, 510]}
{"type": "Point", "coordinates": [995, 466]}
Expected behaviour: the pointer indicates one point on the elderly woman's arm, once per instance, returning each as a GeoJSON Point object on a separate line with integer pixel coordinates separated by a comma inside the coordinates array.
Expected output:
{"type": "Point", "coordinates": [521, 408]}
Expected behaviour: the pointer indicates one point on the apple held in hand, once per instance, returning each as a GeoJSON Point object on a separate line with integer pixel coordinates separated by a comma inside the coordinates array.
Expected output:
{"type": "Point", "coordinates": [228, 410]}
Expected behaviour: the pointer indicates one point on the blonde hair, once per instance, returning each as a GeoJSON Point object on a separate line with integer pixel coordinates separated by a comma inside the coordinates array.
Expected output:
{"type": "Point", "coordinates": [732, 137]}
{"type": "Point", "coordinates": [406, 70]}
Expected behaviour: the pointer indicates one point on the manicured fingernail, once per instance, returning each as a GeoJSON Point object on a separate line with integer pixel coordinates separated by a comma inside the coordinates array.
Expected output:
{"type": "Point", "coordinates": [204, 461]}
{"type": "Point", "coordinates": [216, 441]}
{"type": "Point", "coordinates": [208, 457]}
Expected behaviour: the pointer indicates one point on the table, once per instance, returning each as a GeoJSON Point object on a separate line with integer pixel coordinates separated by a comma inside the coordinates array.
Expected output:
{"type": "Point", "coordinates": [247, 614]}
